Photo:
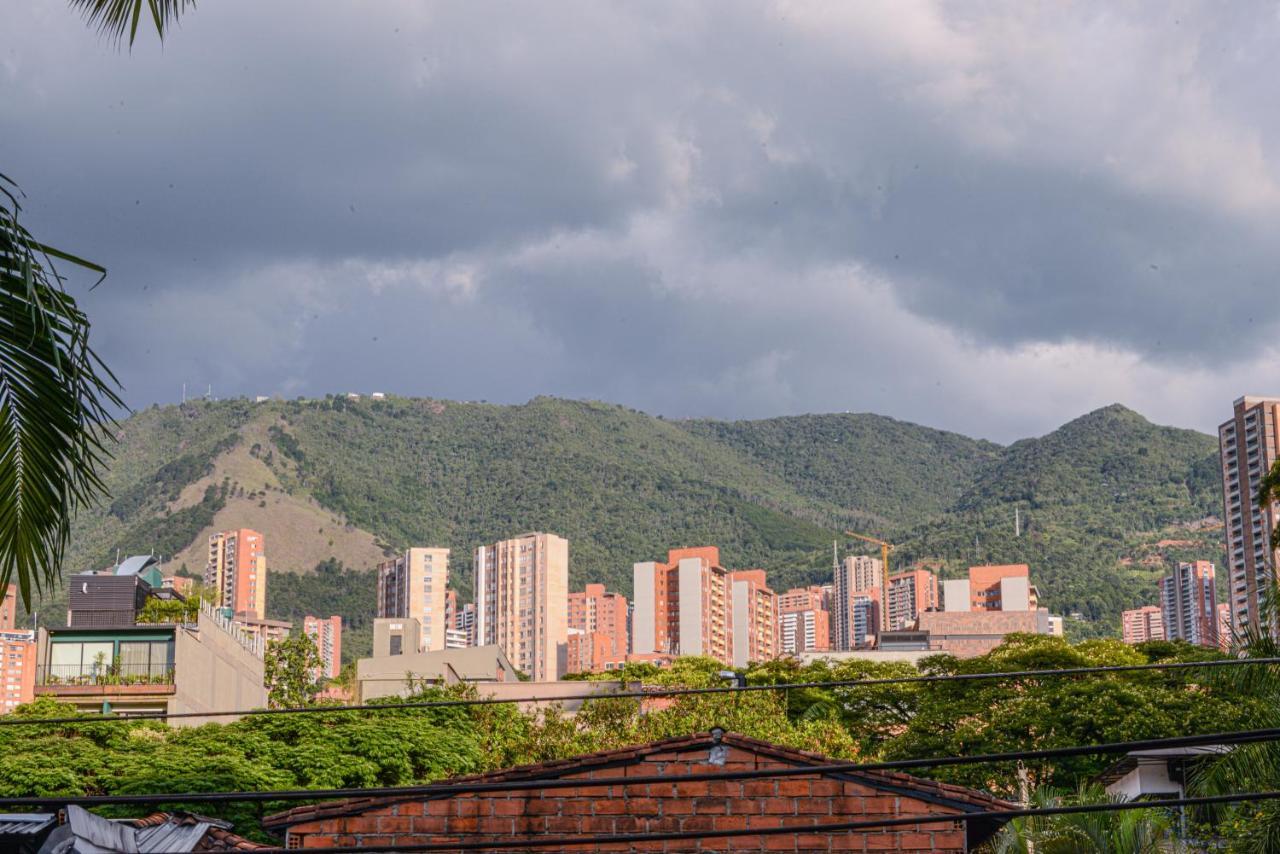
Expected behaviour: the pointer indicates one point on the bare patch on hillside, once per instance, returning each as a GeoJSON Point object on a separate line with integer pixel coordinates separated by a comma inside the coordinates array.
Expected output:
{"type": "Point", "coordinates": [299, 532]}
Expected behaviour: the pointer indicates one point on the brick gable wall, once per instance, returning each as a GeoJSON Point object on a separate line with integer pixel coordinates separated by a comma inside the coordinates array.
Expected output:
{"type": "Point", "coordinates": [796, 801]}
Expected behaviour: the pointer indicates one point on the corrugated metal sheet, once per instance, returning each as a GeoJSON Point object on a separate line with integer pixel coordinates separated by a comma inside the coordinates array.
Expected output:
{"type": "Point", "coordinates": [171, 836]}
{"type": "Point", "coordinates": [21, 824]}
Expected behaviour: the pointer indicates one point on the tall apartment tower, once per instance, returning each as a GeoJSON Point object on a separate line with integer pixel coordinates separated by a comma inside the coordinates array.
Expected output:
{"type": "Point", "coordinates": [909, 594]}
{"type": "Point", "coordinates": [1189, 604]}
{"type": "Point", "coordinates": [522, 602]}
{"type": "Point", "coordinates": [1248, 445]}
{"type": "Point", "coordinates": [855, 576]}
{"type": "Point", "coordinates": [1139, 625]}
{"type": "Point", "coordinates": [17, 656]}
{"type": "Point", "coordinates": [682, 607]}
{"type": "Point", "coordinates": [602, 614]}
{"type": "Point", "coordinates": [755, 617]}
{"type": "Point", "coordinates": [415, 585]}
{"type": "Point", "coordinates": [237, 569]}
{"type": "Point", "coordinates": [327, 636]}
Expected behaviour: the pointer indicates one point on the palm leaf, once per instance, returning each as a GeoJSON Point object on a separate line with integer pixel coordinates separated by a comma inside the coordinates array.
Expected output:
{"type": "Point", "coordinates": [115, 19]}
{"type": "Point", "coordinates": [56, 399]}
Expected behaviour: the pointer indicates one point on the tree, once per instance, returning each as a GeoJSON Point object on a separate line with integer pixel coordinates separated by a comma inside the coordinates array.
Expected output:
{"type": "Point", "coordinates": [114, 18]}
{"type": "Point", "coordinates": [1269, 493]}
{"type": "Point", "coordinates": [56, 398]}
{"type": "Point", "coordinates": [1144, 831]}
{"type": "Point", "coordinates": [290, 671]}
{"type": "Point", "coordinates": [1250, 767]}
{"type": "Point", "coordinates": [56, 395]}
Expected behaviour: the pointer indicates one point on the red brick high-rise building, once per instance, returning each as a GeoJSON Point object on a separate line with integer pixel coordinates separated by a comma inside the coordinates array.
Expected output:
{"type": "Point", "coordinates": [17, 656]}
{"type": "Point", "coordinates": [804, 623]}
{"type": "Point", "coordinates": [237, 569]}
{"type": "Point", "coordinates": [755, 617]}
{"type": "Point", "coordinates": [682, 607]}
{"type": "Point", "coordinates": [911, 593]}
{"type": "Point", "coordinates": [1189, 604]}
{"type": "Point", "coordinates": [327, 635]}
{"type": "Point", "coordinates": [598, 636]}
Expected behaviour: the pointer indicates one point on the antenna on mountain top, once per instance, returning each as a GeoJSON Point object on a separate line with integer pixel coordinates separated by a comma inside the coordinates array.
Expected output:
{"type": "Point", "coordinates": [184, 392]}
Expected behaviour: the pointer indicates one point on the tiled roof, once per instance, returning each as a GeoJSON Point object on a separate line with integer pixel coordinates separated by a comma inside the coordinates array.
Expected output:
{"type": "Point", "coordinates": [183, 831]}
{"type": "Point", "coordinates": [958, 797]}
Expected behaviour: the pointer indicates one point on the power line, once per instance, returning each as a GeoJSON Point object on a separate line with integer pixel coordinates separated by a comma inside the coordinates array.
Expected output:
{"type": "Point", "coordinates": [827, 827]}
{"type": "Point", "coordinates": [10, 720]}
{"type": "Point", "coordinates": [437, 789]}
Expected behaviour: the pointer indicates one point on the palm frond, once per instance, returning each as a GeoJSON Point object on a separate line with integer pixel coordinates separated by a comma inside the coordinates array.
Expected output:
{"type": "Point", "coordinates": [56, 399]}
{"type": "Point", "coordinates": [115, 19]}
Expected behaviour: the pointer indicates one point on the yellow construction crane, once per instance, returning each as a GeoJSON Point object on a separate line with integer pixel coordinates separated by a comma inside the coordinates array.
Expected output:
{"type": "Point", "coordinates": [885, 548]}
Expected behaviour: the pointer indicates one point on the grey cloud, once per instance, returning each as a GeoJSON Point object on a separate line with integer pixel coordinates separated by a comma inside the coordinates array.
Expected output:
{"type": "Point", "coordinates": [723, 209]}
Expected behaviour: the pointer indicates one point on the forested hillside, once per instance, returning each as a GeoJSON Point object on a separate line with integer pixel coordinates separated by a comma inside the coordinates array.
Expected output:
{"type": "Point", "coordinates": [1105, 501]}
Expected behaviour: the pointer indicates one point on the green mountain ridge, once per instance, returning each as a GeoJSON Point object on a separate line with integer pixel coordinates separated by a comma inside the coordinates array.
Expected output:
{"type": "Point", "coordinates": [1094, 497]}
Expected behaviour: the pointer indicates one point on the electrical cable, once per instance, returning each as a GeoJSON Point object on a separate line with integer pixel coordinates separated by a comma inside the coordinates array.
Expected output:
{"type": "Point", "coordinates": [11, 720]}
{"type": "Point", "coordinates": [441, 789]}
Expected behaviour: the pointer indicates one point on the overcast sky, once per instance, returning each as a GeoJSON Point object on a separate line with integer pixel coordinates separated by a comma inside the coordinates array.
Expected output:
{"type": "Point", "coordinates": [990, 218]}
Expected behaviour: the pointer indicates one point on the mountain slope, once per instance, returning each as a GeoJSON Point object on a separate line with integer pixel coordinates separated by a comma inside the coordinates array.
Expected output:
{"type": "Point", "coordinates": [1096, 491]}
{"type": "Point", "coordinates": [1105, 501]}
{"type": "Point", "coordinates": [900, 474]}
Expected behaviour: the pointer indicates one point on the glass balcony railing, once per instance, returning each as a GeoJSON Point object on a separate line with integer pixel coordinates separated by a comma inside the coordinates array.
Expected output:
{"type": "Point", "coordinates": [118, 674]}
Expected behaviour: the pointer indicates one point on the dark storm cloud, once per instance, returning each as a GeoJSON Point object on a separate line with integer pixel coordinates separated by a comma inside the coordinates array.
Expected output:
{"type": "Point", "coordinates": [714, 209]}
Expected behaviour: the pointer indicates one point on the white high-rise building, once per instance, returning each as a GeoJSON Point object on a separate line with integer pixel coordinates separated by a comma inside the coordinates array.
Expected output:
{"type": "Point", "coordinates": [522, 602]}
{"type": "Point", "coordinates": [1248, 445]}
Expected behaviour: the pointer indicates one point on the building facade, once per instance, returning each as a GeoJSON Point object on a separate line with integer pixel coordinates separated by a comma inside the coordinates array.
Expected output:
{"type": "Point", "coordinates": [1139, 625]}
{"type": "Point", "coordinates": [755, 617]}
{"type": "Point", "coordinates": [911, 593]}
{"type": "Point", "coordinates": [237, 569]}
{"type": "Point", "coordinates": [683, 606]}
{"type": "Point", "coordinates": [795, 813]}
{"type": "Point", "coordinates": [203, 665]}
{"type": "Point", "coordinates": [522, 602]}
{"type": "Point", "coordinates": [856, 575]}
{"type": "Point", "coordinates": [804, 623]}
{"type": "Point", "coordinates": [1226, 635]}
{"type": "Point", "coordinates": [17, 668]}
{"type": "Point", "coordinates": [1189, 604]}
{"type": "Point", "coordinates": [598, 635]}
{"type": "Point", "coordinates": [414, 585]}
{"type": "Point", "coordinates": [990, 587]}
{"type": "Point", "coordinates": [1248, 446]}
{"type": "Point", "coordinates": [327, 636]}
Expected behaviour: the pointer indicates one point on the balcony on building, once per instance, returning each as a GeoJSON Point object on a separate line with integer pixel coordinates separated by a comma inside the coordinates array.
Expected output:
{"type": "Point", "coordinates": [132, 646]}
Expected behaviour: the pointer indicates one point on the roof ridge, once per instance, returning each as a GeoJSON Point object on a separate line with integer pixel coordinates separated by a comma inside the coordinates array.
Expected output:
{"type": "Point", "coordinates": [556, 767]}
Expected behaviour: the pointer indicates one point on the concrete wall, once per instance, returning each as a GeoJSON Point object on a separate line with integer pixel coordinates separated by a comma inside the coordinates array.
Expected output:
{"type": "Point", "coordinates": [1015, 594]}
{"type": "Point", "coordinates": [955, 595]}
{"type": "Point", "coordinates": [692, 612]}
{"type": "Point", "coordinates": [741, 605]}
{"type": "Point", "coordinates": [408, 629]}
{"type": "Point", "coordinates": [643, 617]}
{"type": "Point", "coordinates": [213, 672]}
